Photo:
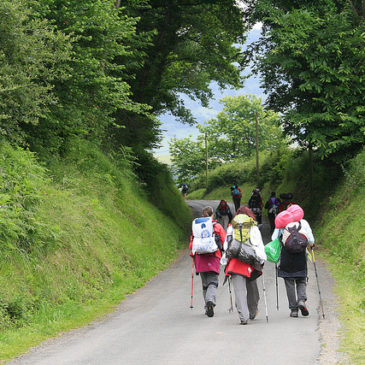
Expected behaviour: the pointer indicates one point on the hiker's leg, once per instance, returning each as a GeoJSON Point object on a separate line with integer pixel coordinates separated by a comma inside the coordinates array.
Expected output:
{"type": "Point", "coordinates": [301, 289]}
{"type": "Point", "coordinates": [203, 276]}
{"type": "Point", "coordinates": [253, 296]}
{"type": "Point", "coordinates": [240, 296]}
{"type": "Point", "coordinates": [290, 292]}
{"type": "Point", "coordinates": [212, 285]}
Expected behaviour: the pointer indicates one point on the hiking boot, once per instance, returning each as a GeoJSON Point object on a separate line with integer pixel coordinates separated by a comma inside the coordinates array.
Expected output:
{"type": "Point", "coordinates": [294, 313]}
{"type": "Point", "coordinates": [210, 309]}
{"type": "Point", "coordinates": [253, 316]}
{"type": "Point", "coordinates": [243, 322]}
{"type": "Point", "coordinates": [303, 308]}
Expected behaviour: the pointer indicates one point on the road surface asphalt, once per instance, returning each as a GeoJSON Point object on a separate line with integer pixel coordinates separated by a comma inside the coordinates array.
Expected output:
{"type": "Point", "coordinates": [156, 325]}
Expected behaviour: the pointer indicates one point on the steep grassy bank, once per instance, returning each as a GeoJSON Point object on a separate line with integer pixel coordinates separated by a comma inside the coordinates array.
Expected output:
{"type": "Point", "coordinates": [75, 239]}
{"type": "Point", "coordinates": [340, 231]}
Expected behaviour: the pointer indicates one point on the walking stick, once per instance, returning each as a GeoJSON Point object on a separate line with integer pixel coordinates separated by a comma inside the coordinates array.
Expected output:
{"type": "Point", "coordinates": [230, 310]}
{"type": "Point", "coordinates": [319, 290]}
{"type": "Point", "coordinates": [277, 291]}
{"type": "Point", "coordinates": [192, 285]}
{"type": "Point", "coordinates": [263, 286]}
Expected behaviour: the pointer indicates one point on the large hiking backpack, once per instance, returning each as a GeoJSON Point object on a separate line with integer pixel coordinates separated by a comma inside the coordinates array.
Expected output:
{"type": "Point", "coordinates": [293, 240]}
{"type": "Point", "coordinates": [239, 246]}
{"type": "Point", "coordinates": [204, 237]}
{"type": "Point", "coordinates": [241, 225]}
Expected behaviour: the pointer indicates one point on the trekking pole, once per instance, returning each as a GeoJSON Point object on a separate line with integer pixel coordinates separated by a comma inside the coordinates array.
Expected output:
{"type": "Point", "coordinates": [230, 310]}
{"type": "Point", "coordinates": [192, 285]}
{"type": "Point", "coordinates": [277, 291]}
{"type": "Point", "coordinates": [319, 290]}
{"type": "Point", "coordinates": [263, 286]}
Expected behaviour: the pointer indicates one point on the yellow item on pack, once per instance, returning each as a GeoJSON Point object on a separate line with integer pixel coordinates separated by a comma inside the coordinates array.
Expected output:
{"type": "Point", "coordinates": [241, 225]}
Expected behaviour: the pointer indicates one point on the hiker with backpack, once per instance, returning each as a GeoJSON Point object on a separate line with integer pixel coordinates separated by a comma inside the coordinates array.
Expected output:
{"type": "Point", "coordinates": [236, 193]}
{"type": "Point", "coordinates": [223, 214]}
{"type": "Point", "coordinates": [244, 232]}
{"type": "Point", "coordinates": [255, 204]}
{"type": "Point", "coordinates": [272, 206]}
{"type": "Point", "coordinates": [295, 235]}
{"type": "Point", "coordinates": [184, 190]}
{"type": "Point", "coordinates": [286, 201]}
{"type": "Point", "coordinates": [206, 244]}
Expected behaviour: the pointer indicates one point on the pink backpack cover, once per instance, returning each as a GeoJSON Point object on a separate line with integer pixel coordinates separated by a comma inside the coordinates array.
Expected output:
{"type": "Point", "coordinates": [283, 219]}
{"type": "Point", "coordinates": [297, 212]}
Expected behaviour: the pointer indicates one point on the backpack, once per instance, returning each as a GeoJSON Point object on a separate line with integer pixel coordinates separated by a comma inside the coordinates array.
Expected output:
{"type": "Point", "coordinates": [204, 238]}
{"type": "Point", "coordinates": [240, 246]}
{"type": "Point", "coordinates": [241, 225]}
{"type": "Point", "coordinates": [295, 242]}
{"type": "Point", "coordinates": [236, 192]}
{"type": "Point", "coordinates": [223, 208]}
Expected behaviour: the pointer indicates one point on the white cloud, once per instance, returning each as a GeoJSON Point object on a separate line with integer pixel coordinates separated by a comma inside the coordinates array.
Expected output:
{"type": "Point", "coordinates": [257, 26]}
{"type": "Point", "coordinates": [204, 113]}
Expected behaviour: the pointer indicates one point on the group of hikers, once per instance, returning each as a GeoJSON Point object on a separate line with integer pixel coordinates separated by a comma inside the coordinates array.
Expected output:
{"type": "Point", "coordinates": [235, 243]}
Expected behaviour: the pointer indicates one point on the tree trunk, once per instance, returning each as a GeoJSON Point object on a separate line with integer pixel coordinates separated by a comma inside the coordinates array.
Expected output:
{"type": "Point", "coordinates": [206, 159]}
{"type": "Point", "coordinates": [257, 152]}
{"type": "Point", "coordinates": [310, 151]}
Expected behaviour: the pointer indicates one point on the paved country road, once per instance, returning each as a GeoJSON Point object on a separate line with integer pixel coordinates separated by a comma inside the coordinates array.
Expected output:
{"type": "Point", "coordinates": [156, 326]}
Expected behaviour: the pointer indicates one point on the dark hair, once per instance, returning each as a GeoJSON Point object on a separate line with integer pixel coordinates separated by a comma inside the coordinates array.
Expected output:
{"type": "Point", "coordinates": [273, 193]}
{"type": "Point", "coordinates": [245, 210]}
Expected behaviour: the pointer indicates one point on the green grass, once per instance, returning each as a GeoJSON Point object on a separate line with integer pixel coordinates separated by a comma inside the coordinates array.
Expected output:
{"type": "Point", "coordinates": [92, 237]}
{"type": "Point", "coordinates": [341, 232]}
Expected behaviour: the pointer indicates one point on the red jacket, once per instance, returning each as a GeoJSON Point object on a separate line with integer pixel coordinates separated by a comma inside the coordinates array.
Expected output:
{"type": "Point", "coordinates": [201, 262]}
{"type": "Point", "coordinates": [236, 266]}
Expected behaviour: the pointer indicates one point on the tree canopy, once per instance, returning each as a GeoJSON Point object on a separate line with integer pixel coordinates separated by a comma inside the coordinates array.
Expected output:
{"type": "Point", "coordinates": [311, 58]}
{"type": "Point", "coordinates": [230, 136]}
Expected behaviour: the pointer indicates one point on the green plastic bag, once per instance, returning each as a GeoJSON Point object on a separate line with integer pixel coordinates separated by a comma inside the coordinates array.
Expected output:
{"type": "Point", "coordinates": [273, 250]}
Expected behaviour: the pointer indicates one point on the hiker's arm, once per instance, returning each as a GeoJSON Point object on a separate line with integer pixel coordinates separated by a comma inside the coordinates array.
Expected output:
{"type": "Point", "coordinates": [256, 240]}
{"type": "Point", "coordinates": [308, 232]}
{"type": "Point", "coordinates": [277, 233]}
{"type": "Point", "coordinates": [191, 242]}
{"type": "Point", "coordinates": [229, 237]}
{"type": "Point", "coordinates": [221, 232]}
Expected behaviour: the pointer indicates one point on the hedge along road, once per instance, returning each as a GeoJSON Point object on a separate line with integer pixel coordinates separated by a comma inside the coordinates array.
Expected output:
{"type": "Point", "coordinates": [156, 325]}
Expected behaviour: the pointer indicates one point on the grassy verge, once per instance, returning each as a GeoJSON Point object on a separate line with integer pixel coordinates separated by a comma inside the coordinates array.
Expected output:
{"type": "Point", "coordinates": [75, 244]}
{"type": "Point", "coordinates": [341, 232]}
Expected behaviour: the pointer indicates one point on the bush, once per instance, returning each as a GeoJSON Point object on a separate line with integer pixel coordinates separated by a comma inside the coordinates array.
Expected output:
{"type": "Point", "coordinates": [22, 182]}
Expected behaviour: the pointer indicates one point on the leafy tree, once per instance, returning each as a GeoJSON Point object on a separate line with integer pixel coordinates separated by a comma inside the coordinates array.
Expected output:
{"type": "Point", "coordinates": [191, 43]}
{"type": "Point", "coordinates": [187, 157]}
{"type": "Point", "coordinates": [311, 58]}
{"type": "Point", "coordinates": [32, 58]}
{"type": "Point", "coordinates": [232, 134]}
{"type": "Point", "coordinates": [97, 85]}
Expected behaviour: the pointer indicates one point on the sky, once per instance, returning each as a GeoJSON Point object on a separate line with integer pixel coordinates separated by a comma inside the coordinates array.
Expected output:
{"type": "Point", "coordinates": [171, 127]}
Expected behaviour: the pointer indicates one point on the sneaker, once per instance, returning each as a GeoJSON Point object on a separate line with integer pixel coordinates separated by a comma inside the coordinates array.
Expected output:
{"type": "Point", "coordinates": [210, 309]}
{"type": "Point", "coordinates": [243, 322]}
{"type": "Point", "coordinates": [303, 308]}
{"type": "Point", "coordinates": [294, 313]}
{"type": "Point", "coordinates": [253, 316]}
